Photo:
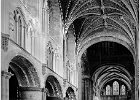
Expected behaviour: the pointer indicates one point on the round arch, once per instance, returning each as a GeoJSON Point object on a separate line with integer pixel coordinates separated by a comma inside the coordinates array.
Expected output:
{"type": "Point", "coordinates": [25, 72]}
{"type": "Point", "coordinates": [107, 37]}
{"type": "Point", "coordinates": [53, 86]}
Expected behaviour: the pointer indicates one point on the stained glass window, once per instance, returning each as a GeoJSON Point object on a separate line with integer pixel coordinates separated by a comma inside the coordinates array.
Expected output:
{"type": "Point", "coordinates": [115, 88]}
{"type": "Point", "coordinates": [122, 90]}
{"type": "Point", "coordinates": [108, 90]}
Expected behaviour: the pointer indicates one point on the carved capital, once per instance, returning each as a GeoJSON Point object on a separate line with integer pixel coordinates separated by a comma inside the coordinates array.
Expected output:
{"type": "Point", "coordinates": [4, 41]}
{"type": "Point", "coordinates": [86, 77]}
{"type": "Point", "coordinates": [45, 90]}
{"type": "Point", "coordinates": [6, 74]}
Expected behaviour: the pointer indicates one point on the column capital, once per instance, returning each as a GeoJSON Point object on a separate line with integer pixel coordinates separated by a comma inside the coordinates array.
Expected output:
{"type": "Point", "coordinates": [86, 77]}
{"type": "Point", "coordinates": [6, 74]}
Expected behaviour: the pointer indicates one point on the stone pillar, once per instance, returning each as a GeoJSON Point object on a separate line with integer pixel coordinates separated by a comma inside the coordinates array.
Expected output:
{"type": "Point", "coordinates": [31, 93]}
{"type": "Point", "coordinates": [87, 91]}
{"type": "Point", "coordinates": [5, 76]}
{"type": "Point", "coordinates": [64, 58]}
{"type": "Point", "coordinates": [79, 82]}
{"type": "Point", "coordinates": [136, 79]}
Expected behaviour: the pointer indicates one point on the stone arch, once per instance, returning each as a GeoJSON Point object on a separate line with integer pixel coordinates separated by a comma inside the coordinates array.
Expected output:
{"type": "Point", "coordinates": [53, 87]}
{"type": "Point", "coordinates": [122, 80]}
{"type": "Point", "coordinates": [116, 66]}
{"type": "Point", "coordinates": [25, 72]}
{"type": "Point", "coordinates": [111, 83]}
{"type": "Point", "coordinates": [96, 39]}
{"type": "Point", "coordinates": [70, 94]}
{"type": "Point", "coordinates": [107, 73]}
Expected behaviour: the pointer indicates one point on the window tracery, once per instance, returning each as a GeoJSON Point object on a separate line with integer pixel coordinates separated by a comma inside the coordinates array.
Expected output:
{"type": "Point", "coordinates": [122, 90]}
{"type": "Point", "coordinates": [108, 90]}
{"type": "Point", "coordinates": [115, 88]}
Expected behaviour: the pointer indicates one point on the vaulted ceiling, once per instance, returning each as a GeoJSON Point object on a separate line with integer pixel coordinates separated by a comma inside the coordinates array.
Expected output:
{"type": "Point", "coordinates": [91, 16]}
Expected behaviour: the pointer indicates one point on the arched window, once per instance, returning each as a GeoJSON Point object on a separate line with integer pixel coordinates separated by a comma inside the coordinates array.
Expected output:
{"type": "Point", "coordinates": [115, 88]}
{"type": "Point", "coordinates": [122, 90]}
{"type": "Point", "coordinates": [108, 90]}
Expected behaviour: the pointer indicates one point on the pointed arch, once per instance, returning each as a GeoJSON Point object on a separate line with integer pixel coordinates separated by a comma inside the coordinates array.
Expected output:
{"type": "Point", "coordinates": [123, 90]}
{"type": "Point", "coordinates": [108, 90]}
{"type": "Point", "coordinates": [115, 88]}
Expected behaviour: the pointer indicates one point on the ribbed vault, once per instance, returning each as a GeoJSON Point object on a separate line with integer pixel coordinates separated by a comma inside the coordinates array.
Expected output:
{"type": "Point", "coordinates": [108, 73]}
{"type": "Point", "coordinates": [106, 33]}
{"type": "Point", "coordinates": [92, 16]}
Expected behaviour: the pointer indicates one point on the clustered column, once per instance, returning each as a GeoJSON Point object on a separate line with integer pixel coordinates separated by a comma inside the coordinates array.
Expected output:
{"type": "Point", "coordinates": [5, 76]}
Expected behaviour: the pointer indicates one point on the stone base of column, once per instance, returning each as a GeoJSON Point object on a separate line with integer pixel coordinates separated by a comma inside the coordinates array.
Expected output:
{"type": "Point", "coordinates": [30, 93]}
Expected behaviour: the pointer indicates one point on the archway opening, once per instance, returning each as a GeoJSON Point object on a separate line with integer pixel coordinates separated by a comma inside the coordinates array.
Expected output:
{"type": "Point", "coordinates": [13, 86]}
{"type": "Point", "coordinates": [54, 91]}
{"type": "Point", "coordinates": [70, 95]}
{"type": "Point", "coordinates": [24, 75]}
{"type": "Point", "coordinates": [93, 62]}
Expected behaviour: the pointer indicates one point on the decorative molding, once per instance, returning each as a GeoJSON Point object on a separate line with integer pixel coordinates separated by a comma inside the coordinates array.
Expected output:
{"type": "Point", "coordinates": [44, 68]}
{"type": "Point", "coordinates": [45, 90]}
{"type": "Point", "coordinates": [4, 41]}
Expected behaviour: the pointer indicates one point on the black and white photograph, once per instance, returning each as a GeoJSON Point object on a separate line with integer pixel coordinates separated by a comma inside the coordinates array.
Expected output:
{"type": "Point", "coordinates": [70, 50]}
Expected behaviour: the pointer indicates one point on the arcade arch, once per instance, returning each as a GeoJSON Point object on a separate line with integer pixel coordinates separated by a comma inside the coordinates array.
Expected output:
{"type": "Point", "coordinates": [54, 90]}
{"type": "Point", "coordinates": [115, 57]}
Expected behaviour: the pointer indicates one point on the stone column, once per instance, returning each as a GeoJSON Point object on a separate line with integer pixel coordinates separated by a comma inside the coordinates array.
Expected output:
{"type": "Point", "coordinates": [87, 88]}
{"type": "Point", "coordinates": [79, 82]}
{"type": "Point", "coordinates": [5, 76]}
{"type": "Point", "coordinates": [136, 79]}
{"type": "Point", "coordinates": [31, 93]}
{"type": "Point", "coordinates": [64, 58]}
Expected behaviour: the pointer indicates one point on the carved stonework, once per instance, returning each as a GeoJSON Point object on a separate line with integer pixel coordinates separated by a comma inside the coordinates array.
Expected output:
{"type": "Point", "coordinates": [6, 74]}
{"type": "Point", "coordinates": [44, 69]}
{"type": "Point", "coordinates": [4, 41]}
{"type": "Point", "coordinates": [64, 82]}
{"type": "Point", "coordinates": [49, 55]}
{"type": "Point", "coordinates": [11, 23]}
